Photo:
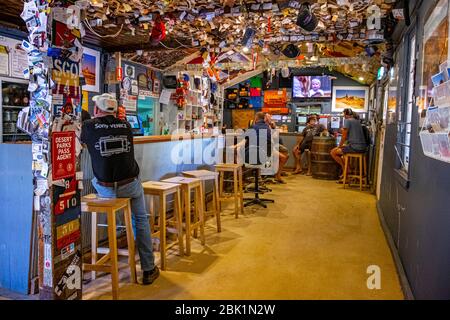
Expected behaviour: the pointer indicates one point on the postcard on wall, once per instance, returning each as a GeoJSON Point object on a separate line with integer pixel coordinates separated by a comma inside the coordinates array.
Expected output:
{"type": "Point", "coordinates": [129, 71]}
{"type": "Point", "coordinates": [90, 67]}
{"type": "Point", "coordinates": [354, 97]}
{"type": "Point", "coordinates": [438, 79]}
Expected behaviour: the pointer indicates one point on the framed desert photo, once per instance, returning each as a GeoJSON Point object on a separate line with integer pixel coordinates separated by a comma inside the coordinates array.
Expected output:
{"type": "Point", "coordinates": [90, 66]}
{"type": "Point", "coordinates": [356, 98]}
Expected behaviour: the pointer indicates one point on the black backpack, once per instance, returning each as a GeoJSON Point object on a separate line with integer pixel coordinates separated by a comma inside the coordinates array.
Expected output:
{"type": "Point", "coordinates": [366, 132]}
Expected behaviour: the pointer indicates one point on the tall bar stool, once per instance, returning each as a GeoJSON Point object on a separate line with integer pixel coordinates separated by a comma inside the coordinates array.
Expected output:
{"type": "Point", "coordinates": [189, 185]}
{"type": "Point", "coordinates": [93, 204]}
{"type": "Point", "coordinates": [361, 173]}
{"type": "Point", "coordinates": [238, 193]}
{"type": "Point", "coordinates": [162, 190]}
{"type": "Point", "coordinates": [206, 175]}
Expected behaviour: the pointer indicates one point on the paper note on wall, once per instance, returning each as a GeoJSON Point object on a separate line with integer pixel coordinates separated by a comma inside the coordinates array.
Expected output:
{"type": "Point", "coordinates": [165, 96]}
{"type": "Point", "coordinates": [85, 104]}
{"type": "Point", "coordinates": [4, 61]}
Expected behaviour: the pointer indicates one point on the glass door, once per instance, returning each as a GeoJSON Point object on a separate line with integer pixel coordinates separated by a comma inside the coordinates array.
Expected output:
{"type": "Point", "coordinates": [14, 96]}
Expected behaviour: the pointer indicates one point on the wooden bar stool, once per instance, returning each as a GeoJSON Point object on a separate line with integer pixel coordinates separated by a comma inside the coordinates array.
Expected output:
{"type": "Point", "coordinates": [238, 193]}
{"type": "Point", "coordinates": [361, 173]}
{"type": "Point", "coordinates": [189, 185]}
{"type": "Point", "coordinates": [206, 175]}
{"type": "Point", "coordinates": [162, 190]}
{"type": "Point", "coordinates": [93, 204]}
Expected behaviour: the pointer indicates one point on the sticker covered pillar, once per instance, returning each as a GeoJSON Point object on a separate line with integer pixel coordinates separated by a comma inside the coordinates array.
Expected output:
{"type": "Point", "coordinates": [53, 122]}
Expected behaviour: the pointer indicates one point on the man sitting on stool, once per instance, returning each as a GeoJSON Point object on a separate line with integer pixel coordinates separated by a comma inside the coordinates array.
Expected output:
{"type": "Point", "coordinates": [110, 144]}
{"type": "Point", "coordinates": [353, 139]}
{"type": "Point", "coordinates": [314, 128]}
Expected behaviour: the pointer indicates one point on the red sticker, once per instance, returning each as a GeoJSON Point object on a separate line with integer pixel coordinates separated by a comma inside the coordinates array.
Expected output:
{"type": "Point", "coordinates": [67, 240]}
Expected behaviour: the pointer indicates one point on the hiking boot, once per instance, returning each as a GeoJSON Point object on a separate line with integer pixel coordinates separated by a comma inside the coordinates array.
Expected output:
{"type": "Point", "coordinates": [149, 276]}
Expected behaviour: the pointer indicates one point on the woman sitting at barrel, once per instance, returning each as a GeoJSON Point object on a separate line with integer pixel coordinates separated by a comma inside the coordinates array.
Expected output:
{"type": "Point", "coordinates": [313, 128]}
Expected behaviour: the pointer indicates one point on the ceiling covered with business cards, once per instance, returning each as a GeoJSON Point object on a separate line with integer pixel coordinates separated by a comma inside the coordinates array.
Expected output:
{"type": "Point", "coordinates": [162, 33]}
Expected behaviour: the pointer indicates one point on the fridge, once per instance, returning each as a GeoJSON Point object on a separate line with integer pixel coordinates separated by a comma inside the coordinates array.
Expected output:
{"type": "Point", "coordinates": [14, 96]}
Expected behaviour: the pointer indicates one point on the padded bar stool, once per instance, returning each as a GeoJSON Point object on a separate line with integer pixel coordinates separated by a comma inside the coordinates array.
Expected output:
{"type": "Point", "coordinates": [162, 190]}
{"type": "Point", "coordinates": [361, 173]}
{"type": "Point", "coordinates": [93, 204]}
{"type": "Point", "coordinates": [238, 193]}
{"type": "Point", "coordinates": [206, 175]}
{"type": "Point", "coordinates": [189, 185]}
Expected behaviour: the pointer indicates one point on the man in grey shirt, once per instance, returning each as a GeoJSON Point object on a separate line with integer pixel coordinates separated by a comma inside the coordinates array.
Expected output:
{"type": "Point", "coordinates": [353, 138]}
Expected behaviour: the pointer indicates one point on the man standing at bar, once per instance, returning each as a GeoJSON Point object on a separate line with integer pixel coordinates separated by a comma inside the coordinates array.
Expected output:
{"type": "Point", "coordinates": [110, 144]}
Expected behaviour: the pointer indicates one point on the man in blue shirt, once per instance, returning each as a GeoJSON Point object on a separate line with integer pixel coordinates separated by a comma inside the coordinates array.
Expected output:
{"type": "Point", "coordinates": [353, 138]}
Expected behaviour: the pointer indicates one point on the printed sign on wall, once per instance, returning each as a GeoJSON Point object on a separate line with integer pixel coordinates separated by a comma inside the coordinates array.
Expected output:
{"type": "Point", "coordinates": [63, 155]}
{"type": "Point", "coordinates": [65, 74]}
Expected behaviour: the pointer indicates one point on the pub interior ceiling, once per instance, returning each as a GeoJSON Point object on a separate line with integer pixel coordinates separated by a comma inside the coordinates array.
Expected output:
{"type": "Point", "coordinates": [161, 33]}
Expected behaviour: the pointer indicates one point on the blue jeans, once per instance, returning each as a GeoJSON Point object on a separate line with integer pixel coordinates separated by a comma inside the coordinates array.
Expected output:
{"type": "Point", "coordinates": [141, 225]}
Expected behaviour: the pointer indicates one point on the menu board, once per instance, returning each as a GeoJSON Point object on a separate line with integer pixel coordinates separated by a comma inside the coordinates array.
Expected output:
{"type": "Point", "coordinates": [19, 62]}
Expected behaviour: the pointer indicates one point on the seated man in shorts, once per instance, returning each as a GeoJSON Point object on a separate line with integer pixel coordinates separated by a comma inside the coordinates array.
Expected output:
{"type": "Point", "coordinates": [313, 128]}
{"type": "Point", "coordinates": [353, 139]}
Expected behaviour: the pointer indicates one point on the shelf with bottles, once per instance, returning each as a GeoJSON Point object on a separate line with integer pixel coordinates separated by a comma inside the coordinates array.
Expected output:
{"type": "Point", "coordinates": [14, 95]}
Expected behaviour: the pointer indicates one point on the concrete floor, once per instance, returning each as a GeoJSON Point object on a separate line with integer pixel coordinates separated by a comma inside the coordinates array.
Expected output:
{"type": "Point", "coordinates": [315, 242]}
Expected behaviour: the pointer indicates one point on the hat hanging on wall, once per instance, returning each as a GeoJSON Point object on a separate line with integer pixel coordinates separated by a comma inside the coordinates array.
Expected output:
{"type": "Point", "coordinates": [291, 51]}
{"type": "Point", "coordinates": [306, 19]}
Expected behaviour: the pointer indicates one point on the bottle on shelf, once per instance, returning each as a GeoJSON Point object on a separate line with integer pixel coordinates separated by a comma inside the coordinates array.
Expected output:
{"type": "Point", "coordinates": [25, 98]}
{"type": "Point", "coordinates": [16, 97]}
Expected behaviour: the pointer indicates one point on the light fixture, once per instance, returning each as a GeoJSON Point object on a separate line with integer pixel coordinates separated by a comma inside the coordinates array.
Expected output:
{"type": "Point", "coordinates": [245, 49]}
{"type": "Point", "coordinates": [361, 79]}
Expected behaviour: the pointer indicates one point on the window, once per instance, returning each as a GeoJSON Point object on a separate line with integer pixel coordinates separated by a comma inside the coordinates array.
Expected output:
{"type": "Point", "coordinates": [405, 110]}
{"type": "Point", "coordinates": [435, 52]}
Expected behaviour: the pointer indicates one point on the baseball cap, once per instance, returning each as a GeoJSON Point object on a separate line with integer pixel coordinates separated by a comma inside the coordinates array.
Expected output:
{"type": "Point", "coordinates": [106, 102]}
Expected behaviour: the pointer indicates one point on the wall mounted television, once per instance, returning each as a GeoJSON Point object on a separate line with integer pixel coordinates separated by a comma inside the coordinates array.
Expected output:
{"type": "Point", "coordinates": [311, 87]}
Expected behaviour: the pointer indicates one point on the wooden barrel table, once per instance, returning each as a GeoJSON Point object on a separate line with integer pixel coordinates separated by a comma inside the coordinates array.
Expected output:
{"type": "Point", "coordinates": [322, 164]}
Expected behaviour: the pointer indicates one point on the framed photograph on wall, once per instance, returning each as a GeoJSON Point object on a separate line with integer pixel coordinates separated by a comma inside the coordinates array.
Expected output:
{"type": "Point", "coordinates": [356, 98]}
{"type": "Point", "coordinates": [90, 67]}
{"type": "Point", "coordinates": [142, 81]}
{"type": "Point", "coordinates": [129, 71]}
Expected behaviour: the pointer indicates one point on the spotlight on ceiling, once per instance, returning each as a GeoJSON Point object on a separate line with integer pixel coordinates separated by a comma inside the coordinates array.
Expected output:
{"type": "Point", "coordinates": [245, 49]}
{"type": "Point", "coordinates": [306, 19]}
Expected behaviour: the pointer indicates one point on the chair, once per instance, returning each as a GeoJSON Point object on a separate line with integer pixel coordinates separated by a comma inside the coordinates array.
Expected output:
{"type": "Point", "coordinates": [361, 173]}
{"type": "Point", "coordinates": [206, 175]}
{"type": "Point", "coordinates": [162, 190]}
{"type": "Point", "coordinates": [189, 185]}
{"type": "Point", "coordinates": [238, 193]}
{"type": "Point", "coordinates": [93, 204]}
{"type": "Point", "coordinates": [262, 162]}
